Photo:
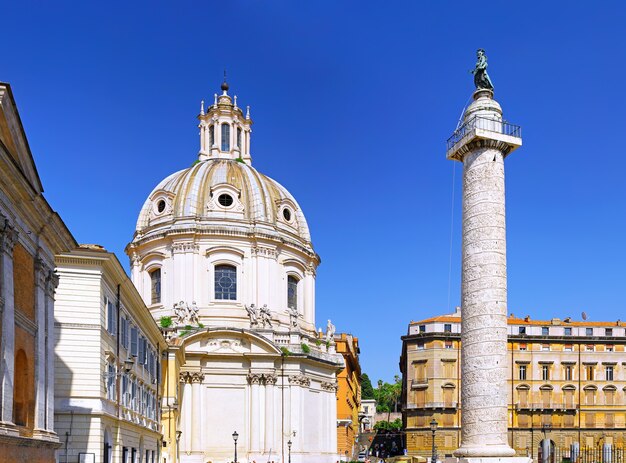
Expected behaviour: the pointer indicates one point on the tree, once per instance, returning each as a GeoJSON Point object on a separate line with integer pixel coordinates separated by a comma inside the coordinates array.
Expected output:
{"type": "Point", "coordinates": [367, 390]}
{"type": "Point", "coordinates": [388, 396]}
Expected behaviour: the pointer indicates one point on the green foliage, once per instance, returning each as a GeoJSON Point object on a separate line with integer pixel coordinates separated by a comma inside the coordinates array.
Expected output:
{"type": "Point", "coordinates": [395, 425]}
{"type": "Point", "coordinates": [197, 161]}
{"type": "Point", "coordinates": [239, 160]}
{"type": "Point", "coordinates": [188, 327]}
{"type": "Point", "coordinates": [183, 333]}
{"type": "Point", "coordinates": [318, 342]}
{"type": "Point", "coordinates": [165, 322]}
{"type": "Point", "coordinates": [305, 348]}
{"type": "Point", "coordinates": [200, 325]}
{"type": "Point", "coordinates": [286, 352]}
{"type": "Point", "coordinates": [367, 390]}
{"type": "Point", "coordinates": [388, 395]}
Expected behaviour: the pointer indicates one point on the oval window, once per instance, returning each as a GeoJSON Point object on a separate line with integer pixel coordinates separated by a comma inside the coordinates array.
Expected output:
{"type": "Point", "coordinates": [225, 200]}
{"type": "Point", "coordinates": [287, 214]}
{"type": "Point", "coordinates": [161, 206]}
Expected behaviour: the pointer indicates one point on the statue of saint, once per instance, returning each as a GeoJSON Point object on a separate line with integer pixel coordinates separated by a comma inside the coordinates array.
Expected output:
{"type": "Point", "coordinates": [481, 78]}
{"type": "Point", "coordinates": [253, 314]}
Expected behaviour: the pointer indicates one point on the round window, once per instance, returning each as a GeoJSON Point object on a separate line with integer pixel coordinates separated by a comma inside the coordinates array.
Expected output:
{"type": "Point", "coordinates": [161, 206]}
{"type": "Point", "coordinates": [287, 214]}
{"type": "Point", "coordinates": [225, 200]}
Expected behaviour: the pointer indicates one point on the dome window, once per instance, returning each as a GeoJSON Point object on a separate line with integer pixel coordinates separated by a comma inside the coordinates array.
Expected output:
{"type": "Point", "coordinates": [211, 136]}
{"type": "Point", "coordinates": [292, 292]}
{"type": "Point", "coordinates": [225, 282]}
{"type": "Point", "coordinates": [155, 285]}
{"type": "Point", "coordinates": [225, 200]}
{"type": "Point", "coordinates": [225, 137]}
{"type": "Point", "coordinates": [161, 206]}
{"type": "Point", "coordinates": [287, 214]}
{"type": "Point", "coordinates": [238, 137]}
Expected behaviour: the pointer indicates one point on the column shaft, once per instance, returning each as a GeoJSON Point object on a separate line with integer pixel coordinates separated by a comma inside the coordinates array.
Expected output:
{"type": "Point", "coordinates": [7, 343]}
{"type": "Point", "coordinates": [269, 415]}
{"type": "Point", "coordinates": [255, 416]}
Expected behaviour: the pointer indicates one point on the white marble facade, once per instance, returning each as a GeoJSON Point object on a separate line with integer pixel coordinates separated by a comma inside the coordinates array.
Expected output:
{"type": "Point", "coordinates": [256, 366]}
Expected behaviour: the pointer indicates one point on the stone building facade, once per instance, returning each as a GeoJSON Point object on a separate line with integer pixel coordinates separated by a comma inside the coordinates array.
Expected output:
{"type": "Point", "coordinates": [566, 383]}
{"type": "Point", "coordinates": [348, 396]}
{"type": "Point", "coordinates": [108, 356]}
{"type": "Point", "coordinates": [222, 256]}
{"type": "Point", "coordinates": [31, 233]}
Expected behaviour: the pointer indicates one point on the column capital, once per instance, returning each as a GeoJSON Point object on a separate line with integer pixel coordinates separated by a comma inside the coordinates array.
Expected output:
{"type": "Point", "coordinates": [8, 237]}
{"type": "Point", "coordinates": [254, 378]}
{"type": "Point", "coordinates": [299, 380]}
{"type": "Point", "coordinates": [270, 379]}
{"type": "Point", "coordinates": [197, 377]}
{"type": "Point", "coordinates": [184, 377]}
{"type": "Point", "coordinates": [329, 386]}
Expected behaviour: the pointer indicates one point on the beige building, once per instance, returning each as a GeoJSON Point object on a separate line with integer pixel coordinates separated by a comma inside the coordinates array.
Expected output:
{"type": "Point", "coordinates": [108, 369]}
{"type": "Point", "coordinates": [31, 233]}
{"type": "Point", "coordinates": [566, 383]}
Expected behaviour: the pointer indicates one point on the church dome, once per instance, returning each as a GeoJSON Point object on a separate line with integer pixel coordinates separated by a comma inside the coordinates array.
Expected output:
{"type": "Point", "coordinates": [223, 193]}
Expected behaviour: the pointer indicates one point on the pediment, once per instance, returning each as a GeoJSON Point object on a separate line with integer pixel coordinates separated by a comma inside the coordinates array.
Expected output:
{"type": "Point", "coordinates": [229, 342]}
{"type": "Point", "coordinates": [13, 139]}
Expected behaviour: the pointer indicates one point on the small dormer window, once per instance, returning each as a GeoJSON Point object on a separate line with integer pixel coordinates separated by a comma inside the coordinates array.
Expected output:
{"type": "Point", "coordinates": [287, 214]}
{"type": "Point", "coordinates": [225, 137]}
{"type": "Point", "coordinates": [161, 206]}
{"type": "Point", "coordinates": [211, 136]}
{"type": "Point", "coordinates": [225, 200]}
{"type": "Point", "coordinates": [238, 137]}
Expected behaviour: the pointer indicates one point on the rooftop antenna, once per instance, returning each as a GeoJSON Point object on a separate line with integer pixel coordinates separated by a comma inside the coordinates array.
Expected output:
{"type": "Point", "coordinates": [584, 315]}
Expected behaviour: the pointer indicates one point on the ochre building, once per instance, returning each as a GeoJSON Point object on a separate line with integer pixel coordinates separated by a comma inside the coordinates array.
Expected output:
{"type": "Point", "coordinates": [348, 396]}
{"type": "Point", "coordinates": [566, 383]}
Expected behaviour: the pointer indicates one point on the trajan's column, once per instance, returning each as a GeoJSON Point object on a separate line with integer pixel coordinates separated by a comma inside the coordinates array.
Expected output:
{"type": "Point", "coordinates": [481, 143]}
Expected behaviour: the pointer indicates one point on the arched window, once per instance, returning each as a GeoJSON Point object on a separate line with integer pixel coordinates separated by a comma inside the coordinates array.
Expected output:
{"type": "Point", "coordinates": [292, 292]}
{"type": "Point", "coordinates": [225, 282]}
{"type": "Point", "coordinates": [155, 284]}
{"type": "Point", "coordinates": [211, 136]}
{"type": "Point", "coordinates": [225, 137]}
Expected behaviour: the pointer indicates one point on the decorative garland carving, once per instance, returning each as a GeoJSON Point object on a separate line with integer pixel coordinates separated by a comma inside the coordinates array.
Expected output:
{"type": "Point", "coordinates": [264, 251]}
{"type": "Point", "coordinates": [185, 247]}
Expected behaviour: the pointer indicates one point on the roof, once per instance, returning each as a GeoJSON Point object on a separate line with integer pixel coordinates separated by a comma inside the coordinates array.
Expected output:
{"type": "Point", "coordinates": [512, 320]}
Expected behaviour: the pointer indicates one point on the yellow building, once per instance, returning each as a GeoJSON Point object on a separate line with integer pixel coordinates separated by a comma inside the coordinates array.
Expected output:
{"type": "Point", "coordinates": [567, 383]}
{"type": "Point", "coordinates": [348, 396]}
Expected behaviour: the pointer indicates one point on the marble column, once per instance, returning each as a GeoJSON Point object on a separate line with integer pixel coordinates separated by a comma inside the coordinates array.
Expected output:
{"type": "Point", "coordinates": [296, 383]}
{"type": "Point", "coordinates": [197, 410]}
{"type": "Point", "coordinates": [8, 238]}
{"type": "Point", "coordinates": [482, 147]}
{"type": "Point", "coordinates": [41, 276]}
{"type": "Point", "coordinates": [52, 281]}
{"type": "Point", "coordinates": [270, 381]}
{"type": "Point", "coordinates": [186, 413]}
{"type": "Point", "coordinates": [255, 412]}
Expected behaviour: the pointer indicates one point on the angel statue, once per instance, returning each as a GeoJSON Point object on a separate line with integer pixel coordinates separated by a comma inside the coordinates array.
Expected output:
{"type": "Point", "coordinates": [330, 332]}
{"type": "Point", "coordinates": [193, 313]}
{"type": "Point", "coordinates": [481, 78]}
{"type": "Point", "coordinates": [180, 312]}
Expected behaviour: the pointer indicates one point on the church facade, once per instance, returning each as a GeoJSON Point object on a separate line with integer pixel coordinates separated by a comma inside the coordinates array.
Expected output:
{"type": "Point", "coordinates": [222, 256]}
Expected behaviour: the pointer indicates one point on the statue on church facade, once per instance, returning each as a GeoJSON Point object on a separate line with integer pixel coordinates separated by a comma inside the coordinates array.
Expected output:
{"type": "Point", "coordinates": [253, 314]}
{"type": "Point", "coordinates": [481, 78]}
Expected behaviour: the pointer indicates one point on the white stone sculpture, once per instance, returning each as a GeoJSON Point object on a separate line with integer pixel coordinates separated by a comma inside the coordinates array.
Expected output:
{"type": "Point", "coordinates": [330, 332]}
{"type": "Point", "coordinates": [253, 315]}
{"type": "Point", "coordinates": [265, 316]}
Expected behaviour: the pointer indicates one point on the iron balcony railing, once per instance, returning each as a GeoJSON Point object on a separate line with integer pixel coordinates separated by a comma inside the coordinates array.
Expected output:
{"type": "Point", "coordinates": [483, 123]}
{"type": "Point", "coordinates": [544, 406]}
{"type": "Point", "coordinates": [432, 405]}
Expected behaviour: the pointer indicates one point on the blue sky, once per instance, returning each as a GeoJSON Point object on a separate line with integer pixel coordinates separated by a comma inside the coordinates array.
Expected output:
{"type": "Point", "coordinates": [352, 103]}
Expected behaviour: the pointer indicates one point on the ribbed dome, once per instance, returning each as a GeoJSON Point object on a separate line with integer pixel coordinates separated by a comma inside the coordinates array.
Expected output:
{"type": "Point", "coordinates": [224, 193]}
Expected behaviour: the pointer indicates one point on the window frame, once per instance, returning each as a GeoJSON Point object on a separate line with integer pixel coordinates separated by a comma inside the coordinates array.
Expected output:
{"type": "Point", "coordinates": [223, 266]}
{"type": "Point", "coordinates": [293, 286]}
{"type": "Point", "coordinates": [225, 137]}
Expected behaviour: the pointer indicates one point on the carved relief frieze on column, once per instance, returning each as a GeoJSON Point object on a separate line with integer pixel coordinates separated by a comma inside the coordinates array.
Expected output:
{"type": "Point", "coordinates": [8, 237]}
{"type": "Point", "coordinates": [197, 377]}
{"type": "Point", "coordinates": [330, 387]}
{"type": "Point", "coordinates": [270, 379]}
{"type": "Point", "coordinates": [185, 377]}
{"type": "Point", "coordinates": [299, 380]}
{"type": "Point", "coordinates": [178, 248]}
{"type": "Point", "coordinates": [254, 378]}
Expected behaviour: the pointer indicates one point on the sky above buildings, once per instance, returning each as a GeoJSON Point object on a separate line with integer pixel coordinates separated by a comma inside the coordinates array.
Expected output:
{"type": "Point", "coordinates": [352, 104]}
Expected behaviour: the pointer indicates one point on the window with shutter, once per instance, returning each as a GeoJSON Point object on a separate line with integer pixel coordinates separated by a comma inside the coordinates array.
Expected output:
{"type": "Point", "coordinates": [133, 341]}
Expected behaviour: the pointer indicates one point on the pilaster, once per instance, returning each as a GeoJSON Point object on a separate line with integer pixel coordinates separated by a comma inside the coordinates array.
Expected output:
{"type": "Point", "coordinates": [254, 379]}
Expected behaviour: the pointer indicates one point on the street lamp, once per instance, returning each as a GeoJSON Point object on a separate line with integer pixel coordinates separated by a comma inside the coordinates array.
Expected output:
{"type": "Point", "coordinates": [235, 437]}
{"type": "Point", "coordinates": [289, 451]}
{"type": "Point", "coordinates": [433, 428]}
